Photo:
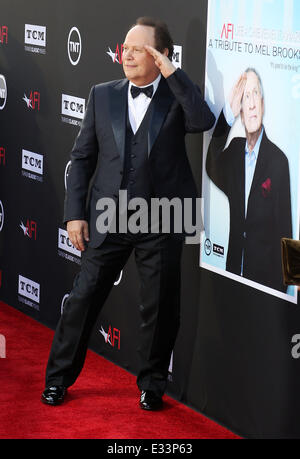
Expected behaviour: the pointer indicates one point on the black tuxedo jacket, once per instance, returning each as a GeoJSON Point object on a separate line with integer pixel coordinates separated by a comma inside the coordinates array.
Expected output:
{"type": "Point", "coordinates": [97, 158]}
{"type": "Point", "coordinates": [256, 237]}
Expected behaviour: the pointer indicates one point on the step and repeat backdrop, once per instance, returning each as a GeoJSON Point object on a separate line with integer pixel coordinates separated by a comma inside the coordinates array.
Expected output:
{"type": "Point", "coordinates": [236, 358]}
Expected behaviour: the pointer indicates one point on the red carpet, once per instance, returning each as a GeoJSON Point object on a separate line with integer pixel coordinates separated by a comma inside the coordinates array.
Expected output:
{"type": "Point", "coordinates": [103, 404]}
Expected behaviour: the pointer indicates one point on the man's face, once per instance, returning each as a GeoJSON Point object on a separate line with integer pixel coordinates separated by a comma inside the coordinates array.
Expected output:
{"type": "Point", "coordinates": [252, 104]}
{"type": "Point", "coordinates": [139, 66]}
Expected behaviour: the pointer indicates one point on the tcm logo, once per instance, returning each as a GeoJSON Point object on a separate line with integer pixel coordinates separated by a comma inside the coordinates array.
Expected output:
{"type": "Point", "coordinates": [1, 216]}
{"type": "Point", "coordinates": [29, 229]}
{"type": "Point", "coordinates": [3, 34]}
{"type": "Point", "coordinates": [218, 250]}
{"type": "Point", "coordinates": [112, 337]}
{"type": "Point", "coordinates": [227, 31]}
{"type": "Point", "coordinates": [72, 106]}
{"type": "Point", "coordinates": [2, 347]}
{"type": "Point", "coordinates": [3, 92]}
{"type": "Point", "coordinates": [65, 244]}
{"type": "Point", "coordinates": [74, 46]}
{"type": "Point", "coordinates": [177, 56]}
{"type": "Point", "coordinates": [116, 56]}
{"type": "Point", "coordinates": [35, 35]}
{"type": "Point", "coordinates": [32, 162]}
{"type": "Point", "coordinates": [33, 101]}
{"type": "Point", "coordinates": [29, 289]}
{"type": "Point", "coordinates": [2, 156]}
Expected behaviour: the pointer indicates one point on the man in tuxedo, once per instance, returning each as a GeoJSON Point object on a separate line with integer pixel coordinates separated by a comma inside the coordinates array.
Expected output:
{"type": "Point", "coordinates": [132, 139]}
{"type": "Point", "coordinates": [254, 175]}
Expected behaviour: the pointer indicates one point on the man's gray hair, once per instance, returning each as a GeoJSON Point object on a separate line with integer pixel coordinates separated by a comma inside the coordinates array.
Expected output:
{"type": "Point", "coordinates": [250, 69]}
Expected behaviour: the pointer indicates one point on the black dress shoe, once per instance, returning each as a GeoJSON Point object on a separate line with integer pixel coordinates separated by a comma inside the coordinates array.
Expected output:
{"type": "Point", "coordinates": [53, 395]}
{"type": "Point", "coordinates": [150, 401]}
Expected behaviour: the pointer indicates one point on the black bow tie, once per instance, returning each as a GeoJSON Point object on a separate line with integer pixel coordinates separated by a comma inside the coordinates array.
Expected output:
{"type": "Point", "coordinates": [136, 91]}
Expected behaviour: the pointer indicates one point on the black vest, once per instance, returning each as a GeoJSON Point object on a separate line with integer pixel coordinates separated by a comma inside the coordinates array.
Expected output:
{"type": "Point", "coordinates": [136, 176]}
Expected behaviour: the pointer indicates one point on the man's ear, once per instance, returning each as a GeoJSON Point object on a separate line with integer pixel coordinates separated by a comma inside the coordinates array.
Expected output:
{"type": "Point", "coordinates": [165, 52]}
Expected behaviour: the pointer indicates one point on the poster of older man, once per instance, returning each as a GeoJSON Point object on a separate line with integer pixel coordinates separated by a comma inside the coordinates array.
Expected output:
{"type": "Point", "coordinates": [251, 160]}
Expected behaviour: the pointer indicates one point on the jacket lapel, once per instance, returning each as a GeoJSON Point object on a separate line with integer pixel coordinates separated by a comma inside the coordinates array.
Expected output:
{"type": "Point", "coordinates": [160, 105]}
{"type": "Point", "coordinates": [118, 111]}
{"type": "Point", "coordinates": [262, 161]}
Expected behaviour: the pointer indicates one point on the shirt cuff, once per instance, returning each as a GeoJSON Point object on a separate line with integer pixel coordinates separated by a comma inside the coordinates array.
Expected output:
{"type": "Point", "coordinates": [229, 116]}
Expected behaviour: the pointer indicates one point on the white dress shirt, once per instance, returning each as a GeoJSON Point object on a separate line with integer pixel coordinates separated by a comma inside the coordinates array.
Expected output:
{"type": "Point", "coordinates": [138, 107]}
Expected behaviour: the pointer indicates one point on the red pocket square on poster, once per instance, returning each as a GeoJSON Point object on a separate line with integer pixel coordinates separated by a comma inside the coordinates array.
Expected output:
{"type": "Point", "coordinates": [266, 187]}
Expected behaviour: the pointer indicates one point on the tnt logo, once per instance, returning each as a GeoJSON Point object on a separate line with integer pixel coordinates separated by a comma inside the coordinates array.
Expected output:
{"type": "Point", "coordinates": [33, 101]}
{"type": "Point", "coordinates": [2, 347]}
{"type": "Point", "coordinates": [1, 216]}
{"type": "Point", "coordinates": [116, 56]}
{"type": "Point", "coordinates": [2, 156]}
{"type": "Point", "coordinates": [227, 31]}
{"type": "Point", "coordinates": [3, 92]}
{"type": "Point", "coordinates": [29, 229]}
{"type": "Point", "coordinates": [3, 34]}
{"type": "Point", "coordinates": [112, 337]}
{"type": "Point", "coordinates": [74, 46]}
{"type": "Point", "coordinates": [117, 281]}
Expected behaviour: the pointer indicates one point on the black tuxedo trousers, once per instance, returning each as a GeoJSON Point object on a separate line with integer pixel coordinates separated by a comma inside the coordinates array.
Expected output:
{"type": "Point", "coordinates": [158, 260]}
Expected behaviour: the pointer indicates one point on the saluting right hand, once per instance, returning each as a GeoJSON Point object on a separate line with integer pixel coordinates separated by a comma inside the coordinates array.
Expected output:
{"type": "Point", "coordinates": [78, 231]}
{"type": "Point", "coordinates": [236, 95]}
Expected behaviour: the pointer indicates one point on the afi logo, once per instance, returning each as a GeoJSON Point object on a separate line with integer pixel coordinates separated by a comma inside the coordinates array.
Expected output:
{"type": "Point", "coordinates": [2, 156]}
{"type": "Point", "coordinates": [3, 34]}
{"type": "Point", "coordinates": [33, 101]}
{"type": "Point", "coordinates": [30, 229]}
{"type": "Point", "coordinates": [116, 56]}
{"type": "Point", "coordinates": [112, 336]}
{"type": "Point", "coordinates": [227, 30]}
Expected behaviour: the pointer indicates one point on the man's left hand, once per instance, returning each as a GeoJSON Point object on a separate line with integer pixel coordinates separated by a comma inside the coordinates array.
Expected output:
{"type": "Point", "coordinates": [162, 61]}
